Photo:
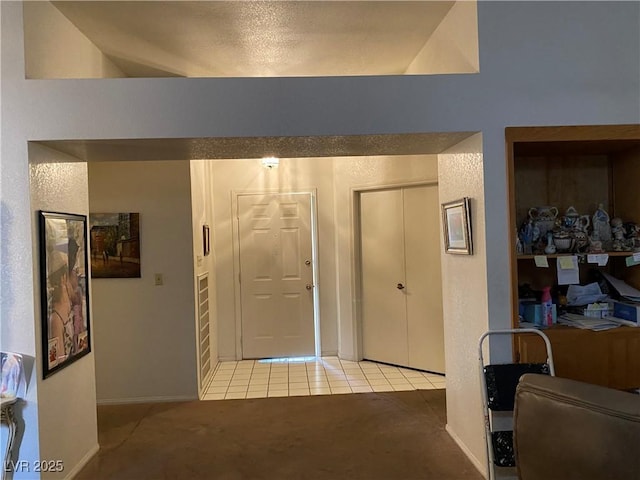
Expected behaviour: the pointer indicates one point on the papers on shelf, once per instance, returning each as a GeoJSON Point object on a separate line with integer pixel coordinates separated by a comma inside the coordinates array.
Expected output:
{"type": "Point", "coordinates": [588, 323]}
{"type": "Point", "coordinates": [621, 321]}
{"type": "Point", "coordinates": [600, 258]}
{"type": "Point", "coordinates": [631, 261]}
{"type": "Point", "coordinates": [625, 290]}
{"type": "Point", "coordinates": [568, 272]}
{"type": "Point", "coordinates": [541, 261]}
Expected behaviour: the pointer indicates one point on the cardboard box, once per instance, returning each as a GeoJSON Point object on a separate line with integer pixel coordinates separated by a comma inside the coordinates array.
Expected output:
{"type": "Point", "coordinates": [597, 310]}
{"type": "Point", "coordinates": [533, 313]}
{"type": "Point", "coordinates": [629, 311]}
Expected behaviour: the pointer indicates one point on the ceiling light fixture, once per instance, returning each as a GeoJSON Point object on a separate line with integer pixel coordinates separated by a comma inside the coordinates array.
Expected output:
{"type": "Point", "coordinates": [270, 162]}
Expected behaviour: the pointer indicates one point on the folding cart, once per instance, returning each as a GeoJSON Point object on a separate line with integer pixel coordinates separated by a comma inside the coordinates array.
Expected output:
{"type": "Point", "coordinates": [499, 382]}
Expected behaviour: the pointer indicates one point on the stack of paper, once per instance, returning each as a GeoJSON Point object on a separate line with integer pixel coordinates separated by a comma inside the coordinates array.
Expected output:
{"type": "Point", "coordinates": [625, 290]}
{"type": "Point", "coordinates": [621, 321]}
{"type": "Point", "coordinates": [588, 323]}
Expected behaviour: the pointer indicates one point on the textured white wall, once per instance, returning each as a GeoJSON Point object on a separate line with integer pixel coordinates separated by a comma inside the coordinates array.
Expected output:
{"type": "Point", "coordinates": [542, 63]}
{"type": "Point", "coordinates": [145, 339]}
{"type": "Point", "coordinates": [354, 173]}
{"type": "Point", "coordinates": [18, 242]}
{"type": "Point", "coordinates": [249, 176]}
{"type": "Point", "coordinates": [67, 399]}
{"type": "Point", "coordinates": [464, 286]}
{"type": "Point", "coordinates": [55, 48]}
{"type": "Point", "coordinates": [202, 214]}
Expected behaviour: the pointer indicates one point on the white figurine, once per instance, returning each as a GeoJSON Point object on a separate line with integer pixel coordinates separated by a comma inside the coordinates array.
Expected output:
{"type": "Point", "coordinates": [601, 227]}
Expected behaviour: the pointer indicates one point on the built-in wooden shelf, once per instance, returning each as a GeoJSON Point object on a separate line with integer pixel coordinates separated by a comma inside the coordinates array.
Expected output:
{"type": "Point", "coordinates": [582, 167]}
{"type": "Point", "coordinates": [556, 255]}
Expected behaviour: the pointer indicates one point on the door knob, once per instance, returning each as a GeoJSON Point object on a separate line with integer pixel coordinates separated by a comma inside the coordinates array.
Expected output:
{"type": "Point", "coordinates": [309, 286]}
{"type": "Point", "coordinates": [307, 262]}
{"type": "Point", "coordinates": [400, 286]}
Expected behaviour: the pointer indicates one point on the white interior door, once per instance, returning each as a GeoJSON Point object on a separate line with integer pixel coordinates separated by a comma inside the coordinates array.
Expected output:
{"type": "Point", "coordinates": [384, 314]}
{"type": "Point", "coordinates": [276, 275]}
{"type": "Point", "coordinates": [400, 247]}
{"type": "Point", "coordinates": [424, 279]}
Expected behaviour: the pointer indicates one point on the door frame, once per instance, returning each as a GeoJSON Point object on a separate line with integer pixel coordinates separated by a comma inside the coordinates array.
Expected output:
{"type": "Point", "coordinates": [235, 236]}
{"type": "Point", "coordinates": [356, 267]}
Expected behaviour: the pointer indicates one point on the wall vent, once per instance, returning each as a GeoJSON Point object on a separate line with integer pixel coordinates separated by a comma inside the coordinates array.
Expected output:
{"type": "Point", "coordinates": [203, 324]}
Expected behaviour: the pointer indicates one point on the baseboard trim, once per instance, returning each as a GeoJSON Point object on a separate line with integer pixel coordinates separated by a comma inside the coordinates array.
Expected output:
{"type": "Point", "coordinates": [330, 353]}
{"type": "Point", "coordinates": [227, 359]}
{"type": "Point", "coordinates": [481, 467]}
{"type": "Point", "coordinates": [83, 461]}
{"type": "Point", "coordinates": [125, 401]}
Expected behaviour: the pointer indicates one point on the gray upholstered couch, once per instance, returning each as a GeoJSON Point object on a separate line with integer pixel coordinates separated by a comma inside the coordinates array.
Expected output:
{"type": "Point", "coordinates": [567, 430]}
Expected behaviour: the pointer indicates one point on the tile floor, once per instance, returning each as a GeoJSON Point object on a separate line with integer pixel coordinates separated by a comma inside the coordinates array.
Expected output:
{"type": "Point", "coordinates": [312, 376]}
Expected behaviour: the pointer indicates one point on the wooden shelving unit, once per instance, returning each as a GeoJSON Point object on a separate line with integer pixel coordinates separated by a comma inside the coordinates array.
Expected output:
{"type": "Point", "coordinates": [579, 166]}
{"type": "Point", "coordinates": [556, 255]}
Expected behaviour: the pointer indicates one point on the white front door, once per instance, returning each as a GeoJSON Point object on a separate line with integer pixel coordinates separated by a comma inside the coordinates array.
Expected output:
{"type": "Point", "coordinates": [276, 275]}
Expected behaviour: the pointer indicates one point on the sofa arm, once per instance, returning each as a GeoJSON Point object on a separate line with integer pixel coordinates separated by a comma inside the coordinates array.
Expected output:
{"type": "Point", "coordinates": [564, 429]}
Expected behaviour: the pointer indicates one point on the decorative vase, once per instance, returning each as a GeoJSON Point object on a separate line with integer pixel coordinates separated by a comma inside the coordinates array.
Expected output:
{"type": "Point", "coordinates": [572, 220]}
{"type": "Point", "coordinates": [550, 248]}
{"type": "Point", "coordinates": [544, 218]}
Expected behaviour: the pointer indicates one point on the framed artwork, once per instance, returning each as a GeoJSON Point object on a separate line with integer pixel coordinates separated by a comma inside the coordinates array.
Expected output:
{"type": "Point", "coordinates": [456, 219]}
{"type": "Point", "coordinates": [115, 245]}
{"type": "Point", "coordinates": [206, 240]}
{"type": "Point", "coordinates": [63, 289]}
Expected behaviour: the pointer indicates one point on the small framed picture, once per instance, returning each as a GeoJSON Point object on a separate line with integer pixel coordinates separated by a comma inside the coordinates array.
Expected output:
{"type": "Point", "coordinates": [115, 245]}
{"type": "Point", "coordinates": [456, 219]}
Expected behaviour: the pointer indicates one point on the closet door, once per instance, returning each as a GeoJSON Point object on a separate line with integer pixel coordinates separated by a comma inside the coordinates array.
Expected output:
{"type": "Point", "coordinates": [384, 326]}
{"type": "Point", "coordinates": [401, 280]}
{"type": "Point", "coordinates": [424, 281]}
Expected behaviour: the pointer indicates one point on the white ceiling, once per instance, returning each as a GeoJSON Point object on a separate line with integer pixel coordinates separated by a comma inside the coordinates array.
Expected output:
{"type": "Point", "coordinates": [258, 38]}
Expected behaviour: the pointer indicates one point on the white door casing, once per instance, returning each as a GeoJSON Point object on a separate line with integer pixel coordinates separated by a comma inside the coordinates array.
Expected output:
{"type": "Point", "coordinates": [276, 275]}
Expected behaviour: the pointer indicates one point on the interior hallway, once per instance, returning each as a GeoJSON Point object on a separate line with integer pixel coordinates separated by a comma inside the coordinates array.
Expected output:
{"type": "Point", "coordinates": [313, 376]}
{"type": "Point", "coordinates": [372, 436]}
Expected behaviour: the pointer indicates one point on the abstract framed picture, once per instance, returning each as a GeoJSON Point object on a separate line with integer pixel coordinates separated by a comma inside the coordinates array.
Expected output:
{"type": "Point", "coordinates": [115, 245]}
{"type": "Point", "coordinates": [64, 290]}
{"type": "Point", "coordinates": [456, 220]}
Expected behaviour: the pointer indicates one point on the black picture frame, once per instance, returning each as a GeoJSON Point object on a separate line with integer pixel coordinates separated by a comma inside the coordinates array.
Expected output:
{"type": "Point", "coordinates": [456, 221]}
{"type": "Point", "coordinates": [64, 290]}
